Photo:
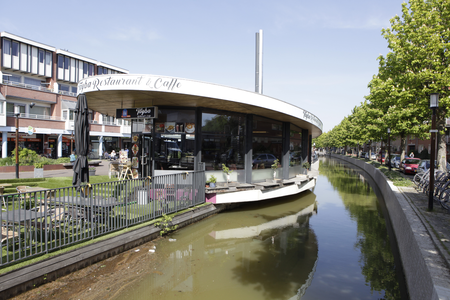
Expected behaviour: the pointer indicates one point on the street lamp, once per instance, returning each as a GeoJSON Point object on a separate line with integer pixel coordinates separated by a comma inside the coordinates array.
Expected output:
{"type": "Point", "coordinates": [434, 103]}
{"type": "Point", "coordinates": [389, 146]}
{"type": "Point", "coordinates": [17, 141]}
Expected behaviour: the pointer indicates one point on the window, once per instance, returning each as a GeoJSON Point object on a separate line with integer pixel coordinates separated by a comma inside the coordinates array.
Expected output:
{"type": "Point", "coordinates": [85, 70]}
{"type": "Point", "coordinates": [64, 87]}
{"type": "Point", "coordinates": [10, 109]}
{"type": "Point", "coordinates": [15, 49]}
{"type": "Point", "coordinates": [6, 47]}
{"type": "Point", "coordinates": [267, 136]}
{"type": "Point", "coordinates": [91, 69]}
{"type": "Point", "coordinates": [223, 139]}
{"type": "Point", "coordinates": [12, 78]}
{"type": "Point", "coordinates": [41, 56]}
{"type": "Point", "coordinates": [99, 70]}
{"type": "Point", "coordinates": [74, 90]}
{"type": "Point", "coordinates": [60, 61]}
{"type": "Point", "coordinates": [40, 111]}
{"type": "Point", "coordinates": [295, 145]}
{"type": "Point", "coordinates": [48, 58]}
{"type": "Point", "coordinates": [32, 82]}
{"type": "Point", "coordinates": [66, 63]}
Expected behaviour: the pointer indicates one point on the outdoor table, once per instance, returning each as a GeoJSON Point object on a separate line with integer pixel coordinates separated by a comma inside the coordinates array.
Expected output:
{"type": "Point", "coordinates": [93, 206]}
{"type": "Point", "coordinates": [21, 215]}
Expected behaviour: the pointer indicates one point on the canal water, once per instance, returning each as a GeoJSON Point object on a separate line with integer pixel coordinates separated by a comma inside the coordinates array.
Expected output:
{"type": "Point", "coordinates": [328, 244]}
{"type": "Point", "coordinates": [332, 243]}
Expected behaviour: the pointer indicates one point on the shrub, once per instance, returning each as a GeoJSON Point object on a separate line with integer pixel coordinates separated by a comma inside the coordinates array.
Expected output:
{"type": "Point", "coordinates": [38, 165]}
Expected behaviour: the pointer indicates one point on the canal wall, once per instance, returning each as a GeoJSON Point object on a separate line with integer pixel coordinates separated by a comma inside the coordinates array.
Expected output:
{"type": "Point", "coordinates": [411, 236]}
{"type": "Point", "coordinates": [28, 277]}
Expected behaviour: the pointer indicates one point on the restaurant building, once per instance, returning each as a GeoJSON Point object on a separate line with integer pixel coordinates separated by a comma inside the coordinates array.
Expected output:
{"type": "Point", "coordinates": [38, 83]}
{"type": "Point", "coordinates": [181, 125]}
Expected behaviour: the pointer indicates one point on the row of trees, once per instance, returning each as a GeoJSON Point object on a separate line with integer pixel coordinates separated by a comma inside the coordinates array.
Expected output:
{"type": "Point", "coordinates": [416, 65]}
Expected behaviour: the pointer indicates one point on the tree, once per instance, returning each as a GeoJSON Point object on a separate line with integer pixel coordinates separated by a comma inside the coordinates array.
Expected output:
{"type": "Point", "coordinates": [418, 64]}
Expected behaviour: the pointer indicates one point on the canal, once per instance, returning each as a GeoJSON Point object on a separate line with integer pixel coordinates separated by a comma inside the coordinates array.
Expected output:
{"type": "Point", "coordinates": [332, 243]}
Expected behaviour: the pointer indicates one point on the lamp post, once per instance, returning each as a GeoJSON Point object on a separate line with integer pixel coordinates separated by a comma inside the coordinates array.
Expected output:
{"type": "Point", "coordinates": [71, 142]}
{"type": "Point", "coordinates": [434, 103]}
{"type": "Point", "coordinates": [389, 147]}
{"type": "Point", "coordinates": [17, 141]}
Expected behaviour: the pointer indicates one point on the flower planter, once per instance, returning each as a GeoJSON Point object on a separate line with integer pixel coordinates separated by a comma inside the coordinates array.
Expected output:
{"type": "Point", "coordinates": [212, 184]}
{"type": "Point", "coordinates": [91, 173]}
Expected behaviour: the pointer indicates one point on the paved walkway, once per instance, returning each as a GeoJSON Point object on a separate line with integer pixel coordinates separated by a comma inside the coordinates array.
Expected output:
{"type": "Point", "coordinates": [102, 169]}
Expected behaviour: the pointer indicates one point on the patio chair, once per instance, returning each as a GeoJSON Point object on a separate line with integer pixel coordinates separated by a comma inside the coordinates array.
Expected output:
{"type": "Point", "coordinates": [57, 219]}
{"type": "Point", "coordinates": [113, 170]}
{"type": "Point", "coordinates": [23, 195]}
{"type": "Point", "coordinates": [8, 235]}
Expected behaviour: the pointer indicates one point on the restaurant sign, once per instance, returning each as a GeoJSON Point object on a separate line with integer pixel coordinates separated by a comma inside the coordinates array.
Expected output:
{"type": "Point", "coordinates": [137, 113]}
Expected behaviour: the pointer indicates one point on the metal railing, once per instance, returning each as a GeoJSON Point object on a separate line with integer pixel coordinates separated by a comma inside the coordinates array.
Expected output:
{"type": "Point", "coordinates": [28, 86]}
{"type": "Point", "coordinates": [37, 221]}
{"type": "Point", "coordinates": [37, 117]}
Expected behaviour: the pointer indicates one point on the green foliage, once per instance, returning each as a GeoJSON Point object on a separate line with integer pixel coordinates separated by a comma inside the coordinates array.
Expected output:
{"type": "Point", "coordinates": [275, 164]}
{"type": "Point", "coordinates": [306, 165]}
{"type": "Point", "coordinates": [226, 170]}
{"type": "Point", "coordinates": [38, 165]}
{"type": "Point", "coordinates": [165, 223]}
{"type": "Point", "coordinates": [27, 157]}
{"type": "Point", "coordinates": [212, 179]}
{"type": "Point", "coordinates": [7, 161]}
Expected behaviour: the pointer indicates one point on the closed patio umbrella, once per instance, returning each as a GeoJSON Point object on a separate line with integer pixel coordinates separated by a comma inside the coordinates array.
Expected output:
{"type": "Point", "coordinates": [81, 166]}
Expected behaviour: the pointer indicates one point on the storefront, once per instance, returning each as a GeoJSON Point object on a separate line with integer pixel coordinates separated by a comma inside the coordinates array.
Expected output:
{"type": "Point", "coordinates": [205, 126]}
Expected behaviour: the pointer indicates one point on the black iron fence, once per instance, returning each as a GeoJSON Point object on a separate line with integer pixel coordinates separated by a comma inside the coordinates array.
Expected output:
{"type": "Point", "coordinates": [36, 221]}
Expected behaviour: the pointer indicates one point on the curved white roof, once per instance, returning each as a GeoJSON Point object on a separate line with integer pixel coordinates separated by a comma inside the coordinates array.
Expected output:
{"type": "Point", "coordinates": [106, 93]}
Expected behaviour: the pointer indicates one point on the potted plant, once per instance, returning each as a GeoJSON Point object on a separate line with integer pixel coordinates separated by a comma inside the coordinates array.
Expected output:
{"type": "Point", "coordinates": [274, 168]}
{"type": "Point", "coordinates": [306, 166]}
{"type": "Point", "coordinates": [91, 171]}
{"type": "Point", "coordinates": [38, 170]}
{"type": "Point", "coordinates": [227, 171]}
{"type": "Point", "coordinates": [212, 181]}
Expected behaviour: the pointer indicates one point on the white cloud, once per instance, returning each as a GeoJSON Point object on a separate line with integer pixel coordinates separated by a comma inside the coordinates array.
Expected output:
{"type": "Point", "coordinates": [134, 34]}
{"type": "Point", "coordinates": [306, 16]}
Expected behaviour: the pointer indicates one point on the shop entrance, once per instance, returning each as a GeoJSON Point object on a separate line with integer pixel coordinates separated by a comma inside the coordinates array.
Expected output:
{"type": "Point", "coordinates": [146, 158]}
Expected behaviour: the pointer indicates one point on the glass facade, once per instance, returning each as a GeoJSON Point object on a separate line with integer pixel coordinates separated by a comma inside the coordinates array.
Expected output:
{"type": "Point", "coordinates": [267, 138]}
{"type": "Point", "coordinates": [174, 139]}
{"type": "Point", "coordinates": [223, 140]}
{"type": "Point", "coordinates": [171, 143]}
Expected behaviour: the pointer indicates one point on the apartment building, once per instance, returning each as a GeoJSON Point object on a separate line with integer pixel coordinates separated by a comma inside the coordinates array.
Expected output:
{"type": "Point", "coordinates": [38, 87]}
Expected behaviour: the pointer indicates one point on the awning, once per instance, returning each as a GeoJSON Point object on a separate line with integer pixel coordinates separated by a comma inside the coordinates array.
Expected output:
{"type": "Point", "coordinates": [71, 105]}
{"type": "Point", "coordinates": [2, 98]}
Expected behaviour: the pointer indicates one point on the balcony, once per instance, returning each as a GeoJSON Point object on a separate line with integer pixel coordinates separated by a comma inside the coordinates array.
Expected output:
{"type": "Point", "coordinates": [28, 86]}
{"type": "Point", "coordinates": [37, 117]}
{"type": "Point", "coordinates": [68, 93]}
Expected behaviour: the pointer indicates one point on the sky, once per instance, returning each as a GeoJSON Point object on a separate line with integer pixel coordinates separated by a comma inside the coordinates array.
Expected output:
{"type": "Point", "coordinates": [317, 55]}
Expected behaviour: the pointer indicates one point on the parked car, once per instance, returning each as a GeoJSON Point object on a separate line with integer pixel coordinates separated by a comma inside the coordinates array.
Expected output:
{"type": "Point", "coordinates": [265, 159]}
{"type": "Point", "coordinates": [373, 156]}
{"type": "Point", "coordinates": [367, 155]}
{"type": "Point", "coordinates": [380, 158]}
{"type": "Point", "coordinates": [409, 165]}
{"type": "Point", "coordinates": [424, 165]}
{"type": "Point", "coordinates": [395, 158]}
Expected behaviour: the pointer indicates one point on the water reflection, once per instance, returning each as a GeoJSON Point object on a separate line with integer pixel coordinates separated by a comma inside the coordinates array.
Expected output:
{"type": "Point", "coordinates": [259, 251]}
{"type": "Point", "coordinates": [267, 250]}
{"type": "Point", "coordinates": [376, 259]}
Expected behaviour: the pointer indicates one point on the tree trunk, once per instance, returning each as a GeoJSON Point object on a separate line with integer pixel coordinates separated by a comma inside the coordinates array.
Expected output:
{"type": "Point", "coordinates": [441, 158]}
{"type": "Point", "coordinates": [402, 147]}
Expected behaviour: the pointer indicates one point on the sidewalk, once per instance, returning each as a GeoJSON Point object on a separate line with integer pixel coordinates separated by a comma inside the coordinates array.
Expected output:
{"type": "Point", "coordinates": [102, 169]}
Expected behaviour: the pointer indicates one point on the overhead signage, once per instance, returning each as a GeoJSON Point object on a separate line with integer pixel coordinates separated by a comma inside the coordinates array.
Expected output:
{"type": "Point", "coordinates": [127, 81]}
{"type": "Point", "coordinates": [137, 113]}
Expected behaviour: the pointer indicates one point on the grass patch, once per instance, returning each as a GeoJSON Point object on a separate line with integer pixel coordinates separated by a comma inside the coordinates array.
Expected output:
{"type": "Point", "coordinates": [40, 258]}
